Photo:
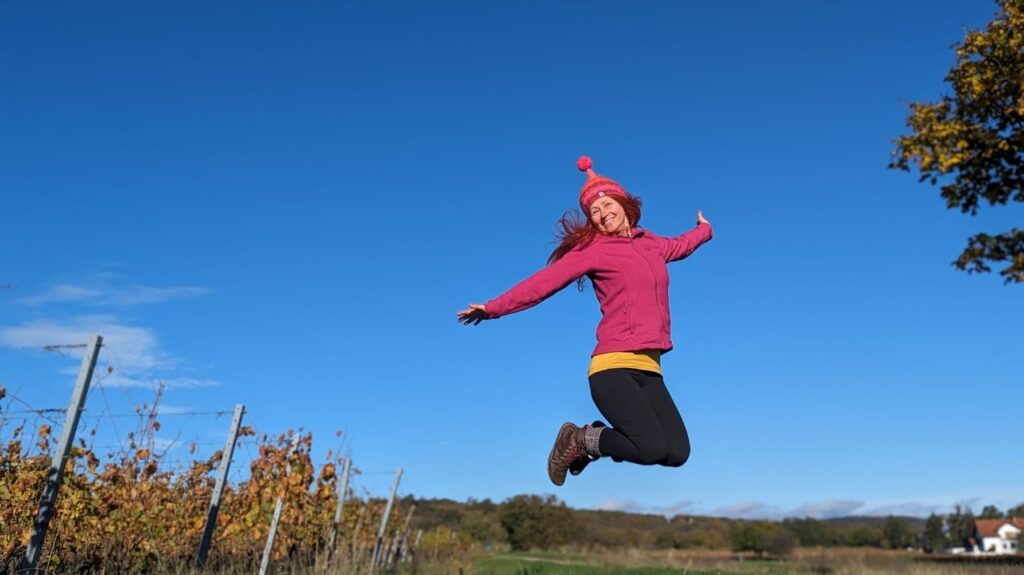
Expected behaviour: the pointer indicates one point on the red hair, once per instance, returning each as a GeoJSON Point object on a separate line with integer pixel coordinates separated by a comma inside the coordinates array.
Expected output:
{"type": "Point", "coordinates": [574, 229]}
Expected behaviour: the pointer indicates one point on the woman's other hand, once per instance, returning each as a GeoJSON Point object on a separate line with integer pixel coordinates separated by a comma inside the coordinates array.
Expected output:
{"type": "Point", "coordinates": [475, 314]}
{"type": "Point", "coordinates": [700, 218]}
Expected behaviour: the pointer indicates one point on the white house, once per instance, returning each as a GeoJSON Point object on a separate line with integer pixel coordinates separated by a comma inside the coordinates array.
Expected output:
{"type": "Point", "coordinates": [999, 536]}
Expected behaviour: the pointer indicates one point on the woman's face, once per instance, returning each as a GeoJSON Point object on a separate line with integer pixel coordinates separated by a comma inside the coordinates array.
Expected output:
{"type": "Point", "coordinates": [608, 217]}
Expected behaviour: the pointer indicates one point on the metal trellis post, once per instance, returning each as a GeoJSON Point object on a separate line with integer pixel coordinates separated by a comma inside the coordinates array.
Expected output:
{"type": "Point", "coordinates": [55, 476]}
{"type": "Point", "coordinates": [278, 506]}
{"type": "Point", "coordinates": [415, 546]}
{"type": "Point", "coordinates": [341, 506]}
{"type": "Point", "coordinates": [399, 550]}
{"type": "Point", "coordinates": [384, 522]}
{"type": "Point", "coordinates": [218, 490]}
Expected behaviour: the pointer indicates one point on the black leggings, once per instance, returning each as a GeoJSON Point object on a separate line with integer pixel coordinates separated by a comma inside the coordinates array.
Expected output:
{"type": "Point", "coordinates": [646, 426]}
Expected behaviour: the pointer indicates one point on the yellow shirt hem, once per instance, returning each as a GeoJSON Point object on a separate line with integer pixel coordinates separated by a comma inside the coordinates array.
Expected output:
{"type": "Point", "coordinates": [644, 359]}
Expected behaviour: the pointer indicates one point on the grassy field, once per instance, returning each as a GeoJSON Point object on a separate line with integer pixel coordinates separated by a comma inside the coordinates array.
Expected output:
{"type": "Point", "coordinates": [523, 566]}
{"type": "Point", "coordinates": [804, 562]}
{"type": "Point", "coordinates": [648, 562]}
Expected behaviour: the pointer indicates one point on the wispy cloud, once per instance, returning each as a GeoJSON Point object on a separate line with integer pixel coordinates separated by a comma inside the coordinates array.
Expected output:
{"type": "Point", "coordinates": [140, 295]}
{"type": "Point", "coordinates": [119, 379]}
{"type": "Point", "coordinates": [1002, 497]}
{"type": "Point", "coordinates": [165, 409]}
{"type": "Point", "coordinates": [131, 349]}
{"type": "Point", "coordinates": [163, 444]}
{"type": "Point", "coordinates": [134, 353]}
{"type": "Point", "coordinates": [749, 510]}
{"type": "Point", "coordinates": [104, 294]}
{"type": "Point", "coordinates": [61, 293]}
{"type": "Point", "coordinates": [740, 510]}
{"type": "Point", "coordinates": [908, 509]}
{"type": "Point", "coordinates": [827, 509]}
{"type": "Point", "coordinates": [631, 506]}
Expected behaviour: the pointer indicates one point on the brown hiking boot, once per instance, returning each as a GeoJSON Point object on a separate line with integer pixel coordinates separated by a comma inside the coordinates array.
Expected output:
{"type": "Point", "coordinates": [578, 465]}
{"type": "Point", "coordinates": [569, 446]}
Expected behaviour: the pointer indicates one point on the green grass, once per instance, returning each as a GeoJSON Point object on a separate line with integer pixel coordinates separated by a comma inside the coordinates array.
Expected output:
{"type": "Point", "coordinates": [555, 556]}
{"type": "Point", "coordinates": [504, 565]}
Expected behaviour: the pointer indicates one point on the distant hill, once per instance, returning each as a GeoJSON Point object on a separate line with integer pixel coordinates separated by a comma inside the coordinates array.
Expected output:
{"type": "Point", "coordinates": [487, 523]}
{"type": "Point", "coordinates": [874, 521]}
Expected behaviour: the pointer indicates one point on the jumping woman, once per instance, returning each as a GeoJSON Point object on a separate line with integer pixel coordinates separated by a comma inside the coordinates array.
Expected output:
{"type": "Point", "coordinates": [627, 266]}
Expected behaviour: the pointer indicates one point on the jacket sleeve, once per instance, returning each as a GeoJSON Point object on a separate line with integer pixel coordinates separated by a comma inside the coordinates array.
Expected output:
{"type": "Point", "coordinates": [541, 285]}
{"type": "Point", "coordinates": [679, 247]}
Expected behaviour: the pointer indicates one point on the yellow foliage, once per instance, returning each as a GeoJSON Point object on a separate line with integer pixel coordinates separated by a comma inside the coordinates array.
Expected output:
{"type": "Point", "coordinates": [971, 142]}
{"type": "Point", "coordinates": [126, 515]}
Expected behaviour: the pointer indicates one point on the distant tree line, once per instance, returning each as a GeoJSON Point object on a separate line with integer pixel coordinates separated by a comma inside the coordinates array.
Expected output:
{"type": "Point", "coordinates": [533, 522]}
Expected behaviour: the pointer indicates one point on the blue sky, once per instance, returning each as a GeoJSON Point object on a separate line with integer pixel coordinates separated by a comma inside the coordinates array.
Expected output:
{"type": "Point", "coordinates": [284, 206]}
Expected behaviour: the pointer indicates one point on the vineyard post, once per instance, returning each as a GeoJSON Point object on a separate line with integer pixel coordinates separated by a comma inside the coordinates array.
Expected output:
{"type": "Point", "coordinates": [341, 505]}
{"type": "Point", "coordinates": [415, 546]}
{"type": "Point", "coordinates": [278, 506]}
{"type": "Point", "coordinates": [384, 522]}
{"type": "Point", "coordinates": [218, 490]}
{"type": "Point", "coordinates": [55, 476]}
{"type": "Point", "coordinates": [399, 550]}
{"type": "Point", "coordinates": [357, 547]}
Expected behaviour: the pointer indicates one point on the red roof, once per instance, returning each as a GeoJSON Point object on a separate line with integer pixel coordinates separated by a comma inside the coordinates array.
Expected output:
{"type": "Point", "coordinates": [989, 527]}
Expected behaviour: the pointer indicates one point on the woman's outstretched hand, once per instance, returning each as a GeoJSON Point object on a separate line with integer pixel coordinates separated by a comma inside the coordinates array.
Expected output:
{"type": "Point", "coordinates": [475, 314]}
{"type": "Point", "coordinates": [700, 218]}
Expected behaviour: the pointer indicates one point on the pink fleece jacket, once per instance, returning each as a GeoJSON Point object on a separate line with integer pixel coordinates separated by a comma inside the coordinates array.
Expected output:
{"type": "Point", "coordinates": [630, 279]}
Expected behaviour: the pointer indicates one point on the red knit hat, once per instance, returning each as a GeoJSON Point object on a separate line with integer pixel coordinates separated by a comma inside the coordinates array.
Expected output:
{"type": "Point", "coordinates": [597, 186]}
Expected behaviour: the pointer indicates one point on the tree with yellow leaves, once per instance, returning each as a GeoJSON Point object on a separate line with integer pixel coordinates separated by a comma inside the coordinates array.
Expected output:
{"type": "Point", "coordinates": [972, 141]}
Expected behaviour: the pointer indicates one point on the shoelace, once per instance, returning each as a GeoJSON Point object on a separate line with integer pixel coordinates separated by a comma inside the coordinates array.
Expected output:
{"type": "Point", "coordinates": [572, 453]}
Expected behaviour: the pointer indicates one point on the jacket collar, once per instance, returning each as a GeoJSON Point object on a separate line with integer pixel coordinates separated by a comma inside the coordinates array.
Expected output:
{"type": "Point", "coordinates": [637, 233]}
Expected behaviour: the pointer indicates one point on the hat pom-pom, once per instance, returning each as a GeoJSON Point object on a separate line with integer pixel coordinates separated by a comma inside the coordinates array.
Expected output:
{"type": "Point", "coordinates": [584, 163]}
